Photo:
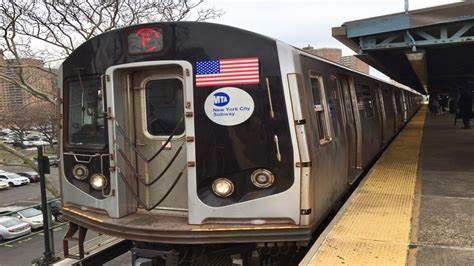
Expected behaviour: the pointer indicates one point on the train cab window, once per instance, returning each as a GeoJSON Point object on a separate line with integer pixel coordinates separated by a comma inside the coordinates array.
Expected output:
{"type": "Point", "coordinates": [164, 107]}
{"type": "Point", "coordinates": [320, 107]}
{"type": "Point", "coordinates": [86, 120]}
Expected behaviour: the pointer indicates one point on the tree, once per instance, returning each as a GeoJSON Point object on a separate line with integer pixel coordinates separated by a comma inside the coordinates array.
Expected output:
{"type": "Point", "coordinates": [57, 27]}
{"type": "Point", "coordinates": [45, 121]}
{"type": "Point", "coordinates": [19, 121]}
{"type": "Point", "coordinates": [43, 118]}
{"type": "Point", "coordinates": [38, 116]}
{"type": "Point", "coordinates": [49, 30]}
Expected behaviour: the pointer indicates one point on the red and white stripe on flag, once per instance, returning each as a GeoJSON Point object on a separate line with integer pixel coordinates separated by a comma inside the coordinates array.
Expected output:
{"type": "Point", "coordinates": [233, 71]}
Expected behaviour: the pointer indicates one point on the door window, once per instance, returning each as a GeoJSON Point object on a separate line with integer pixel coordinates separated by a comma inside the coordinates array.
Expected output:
{"type": "Point", "coordinates": [344, 82]}
{"type": "Point", "coordinates": [164, 107]}
{"type": "Point", "coordinates": [319, 106]}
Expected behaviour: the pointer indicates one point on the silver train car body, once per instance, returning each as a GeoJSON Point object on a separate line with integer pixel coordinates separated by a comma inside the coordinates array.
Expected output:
{"type": "Point", "coordinates": [336, 121]}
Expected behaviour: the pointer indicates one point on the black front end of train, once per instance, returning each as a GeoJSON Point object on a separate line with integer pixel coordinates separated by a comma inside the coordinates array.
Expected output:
{"type": "Point", "coordinates": [181, 120]}
{"type": "Point", "coordinates": [86, 160]}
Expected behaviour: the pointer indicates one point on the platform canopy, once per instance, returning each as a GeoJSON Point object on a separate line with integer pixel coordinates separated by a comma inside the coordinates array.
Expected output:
{"type": "Point", "coordinates": [429, 49]}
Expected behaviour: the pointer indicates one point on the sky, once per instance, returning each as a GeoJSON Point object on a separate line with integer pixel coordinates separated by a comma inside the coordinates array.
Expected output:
{"type": "Point", "coordinates": [308, 22]}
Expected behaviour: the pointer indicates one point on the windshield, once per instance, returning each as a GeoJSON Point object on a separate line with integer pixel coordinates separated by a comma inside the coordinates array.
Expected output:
{"type": "Point", "coordinates": [30, 213]}
{"type": "Point", "coordinates": [13, 176]}
{"type": "Point", "coordinates": [10, 222]}
{"type": "Point", "coordinates": [30, 173]}
{"type": "Point", "coordinates": [86, 113]}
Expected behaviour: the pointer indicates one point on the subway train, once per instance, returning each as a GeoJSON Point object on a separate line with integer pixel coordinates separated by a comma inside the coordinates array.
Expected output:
{"type": "Point", "coordinates": [199, 133]}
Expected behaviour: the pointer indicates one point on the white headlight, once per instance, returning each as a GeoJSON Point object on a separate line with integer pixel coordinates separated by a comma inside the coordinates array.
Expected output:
{"type": "Point", "coordinates": [98, 182]}
{"type": "Point", "coordinates": [223, 187]}
{"type": "Point", "coordinates": [80, 171]}
{"type": "Point", "coordinates": [262, 178]}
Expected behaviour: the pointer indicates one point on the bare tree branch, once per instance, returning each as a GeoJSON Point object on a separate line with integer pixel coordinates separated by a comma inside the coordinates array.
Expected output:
{"type": "Point", "coordinates": [11, 164]}
{"type": "Point", "coordinates": [50, 30]}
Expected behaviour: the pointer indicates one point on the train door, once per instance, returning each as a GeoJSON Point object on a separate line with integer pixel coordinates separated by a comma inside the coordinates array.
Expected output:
{"type": "Point", "coordinates": [158, 103]}
{"type": "Point", "coordinates": [350, 127]}
{"type": "Point", "coordinates": [398, 98]}
{"type": "Point", "coordinates": [389, 111]}
{"type": "Point", "coordinates": [404, 106]}
{"type": "Point", "coordinates": [382, 114]}
{"type": "Point", "coordinates": [396, 110]}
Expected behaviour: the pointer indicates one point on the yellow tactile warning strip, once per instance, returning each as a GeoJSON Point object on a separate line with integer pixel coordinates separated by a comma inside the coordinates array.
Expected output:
{"type": "Point", "coordinates": [374, 228]}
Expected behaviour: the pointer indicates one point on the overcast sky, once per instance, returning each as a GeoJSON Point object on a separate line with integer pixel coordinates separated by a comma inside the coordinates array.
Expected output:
{"type": "Point", "coordinates": [303, 22]}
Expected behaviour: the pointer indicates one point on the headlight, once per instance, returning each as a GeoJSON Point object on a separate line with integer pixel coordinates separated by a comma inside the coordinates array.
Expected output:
{"type": "Point", "coordinates": [262, 178]}
{"type": "Point", "coordinates": [98, 181]}
{"type": "Point", "coordinates": [80, 171]}
{"type": "Point", "coordinates": [223, 187]}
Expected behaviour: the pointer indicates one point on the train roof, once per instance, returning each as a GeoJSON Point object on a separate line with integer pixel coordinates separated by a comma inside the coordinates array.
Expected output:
{"type": "Point", "coordinates": [398, 85]}
{"type": "Point", "coordinates": [258, 35]}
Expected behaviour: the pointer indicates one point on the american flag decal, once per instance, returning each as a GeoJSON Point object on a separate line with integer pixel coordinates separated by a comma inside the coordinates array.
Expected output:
{"type": "Point", "coordinates": [227, 72]}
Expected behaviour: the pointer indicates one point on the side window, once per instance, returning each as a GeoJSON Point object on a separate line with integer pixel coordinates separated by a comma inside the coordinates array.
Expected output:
{"type": "Point", "coordinates": [365, 100]}
{"type": "Point", "coordinates": [2, 177]}
{"type": "Point", "coordinates": [320, 107]}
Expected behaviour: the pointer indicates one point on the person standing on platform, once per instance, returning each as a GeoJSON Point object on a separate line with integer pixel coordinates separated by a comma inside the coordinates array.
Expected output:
{"type": "Point", "coordinates": [443, 103]}
{"type": "Point", "coordinates": [465, 107]}
{"type": "Point", "coordinates": [452, 105]}
{"type": "Point", "coordinates": [434, 103]}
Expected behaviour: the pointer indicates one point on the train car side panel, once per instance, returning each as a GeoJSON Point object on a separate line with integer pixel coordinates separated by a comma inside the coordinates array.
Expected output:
{"type": "Point", "coordinates": [326, 139]}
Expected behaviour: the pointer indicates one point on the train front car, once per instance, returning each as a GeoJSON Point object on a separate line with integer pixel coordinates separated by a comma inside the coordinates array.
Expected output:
{"type": "Point", "coordinates": [180, 133]}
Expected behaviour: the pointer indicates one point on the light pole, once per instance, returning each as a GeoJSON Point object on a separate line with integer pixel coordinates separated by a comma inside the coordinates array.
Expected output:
{"type": "Point", "coordinates": [43, 168]}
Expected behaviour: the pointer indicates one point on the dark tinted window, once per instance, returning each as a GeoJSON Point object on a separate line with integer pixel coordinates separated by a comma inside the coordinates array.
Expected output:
{"type": "Point", "coordinates": [316, 89]}
{"type": "Point", "coordinates": [164, 107]}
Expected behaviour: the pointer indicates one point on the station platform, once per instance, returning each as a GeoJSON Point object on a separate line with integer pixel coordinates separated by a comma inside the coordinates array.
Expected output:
{"type": "Point", "coordinates": [415, 206]}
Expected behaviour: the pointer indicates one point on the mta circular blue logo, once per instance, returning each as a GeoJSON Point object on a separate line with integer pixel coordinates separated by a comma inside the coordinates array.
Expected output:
{"type": "Point", "coordinates": [221, 99]}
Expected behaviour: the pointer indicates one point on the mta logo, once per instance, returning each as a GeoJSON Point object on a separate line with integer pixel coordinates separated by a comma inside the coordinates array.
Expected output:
{"type": "Point", "coordinates": [221, 99]}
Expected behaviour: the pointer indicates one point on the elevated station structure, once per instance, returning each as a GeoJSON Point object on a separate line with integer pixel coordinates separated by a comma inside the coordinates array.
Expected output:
{"type": "Point", "coordinates": [415, 205]}
{"type": "Point", "coordinates": [428, 49]}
